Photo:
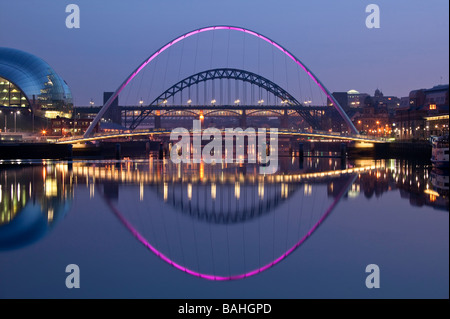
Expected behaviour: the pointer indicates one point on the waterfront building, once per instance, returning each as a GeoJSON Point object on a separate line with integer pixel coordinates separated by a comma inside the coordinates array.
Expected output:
{"type": "Point", "coordinates": [425, 115]}
{"type": "Point", "coordinates": [31, 92]}
{"type": "Point", "coordinates": [375, 113]}
{"type": "Point", "coordinates": [356, 99]}
{"type": "Point", "coordinates": [64, 127]}
{"type": "Point", "coordinates": [351, 99]}
{"type": "Point", "coordinates": [391, 103]}
{"type": "Point", "coordinates": [437, 125]}
{"type": "Point", "coordinates": [341, 98]}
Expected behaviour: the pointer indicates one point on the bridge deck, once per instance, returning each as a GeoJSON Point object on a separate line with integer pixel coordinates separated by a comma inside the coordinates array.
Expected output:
{"type": "Point", "coordinates": [320, 134]}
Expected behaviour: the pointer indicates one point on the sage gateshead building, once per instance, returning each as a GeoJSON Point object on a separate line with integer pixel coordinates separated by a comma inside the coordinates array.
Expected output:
{"type": "Point", "coordinates": [31, 92]}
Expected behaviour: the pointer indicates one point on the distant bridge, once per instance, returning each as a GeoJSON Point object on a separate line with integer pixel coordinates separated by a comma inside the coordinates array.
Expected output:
{"type": "Point", "coordinates": [240, 107]}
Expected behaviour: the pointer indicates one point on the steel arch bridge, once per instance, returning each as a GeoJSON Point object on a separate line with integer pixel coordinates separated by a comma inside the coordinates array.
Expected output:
{"type": "Point", "coordinates": [184, 36]}
{"type": "Point", "coordinates": [227, 73]}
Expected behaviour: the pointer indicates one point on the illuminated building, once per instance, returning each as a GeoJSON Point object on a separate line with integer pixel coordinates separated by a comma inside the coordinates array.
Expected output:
{"type": "Point", "coordinates": [68, 127]}
{"type": "Point", "coordinates": [29, 87]}
{"type": "Point", "coordinates": [425, 116]}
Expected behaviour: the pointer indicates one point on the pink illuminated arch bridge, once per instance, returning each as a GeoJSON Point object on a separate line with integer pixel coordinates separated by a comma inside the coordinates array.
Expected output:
{"type": "Point", "coordinates": [108, 103]}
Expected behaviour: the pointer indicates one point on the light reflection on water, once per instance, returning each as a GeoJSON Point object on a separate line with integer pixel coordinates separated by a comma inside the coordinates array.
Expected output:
{"type": "Point", "coordinates": [211, 221]}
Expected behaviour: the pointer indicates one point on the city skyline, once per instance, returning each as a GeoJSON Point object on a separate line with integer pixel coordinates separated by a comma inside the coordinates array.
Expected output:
{"type": "Point", "coordinates": [97, 56]}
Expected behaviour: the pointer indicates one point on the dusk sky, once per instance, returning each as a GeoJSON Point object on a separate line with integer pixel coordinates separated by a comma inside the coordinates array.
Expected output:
{"type": "Point", "coordinates": [409, 51]}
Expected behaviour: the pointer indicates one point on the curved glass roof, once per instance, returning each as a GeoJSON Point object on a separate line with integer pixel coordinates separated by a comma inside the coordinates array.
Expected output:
{"type": "Point", "coordinates": [38, 81]}
{"type": "Point", "coordinates": [11, 95]}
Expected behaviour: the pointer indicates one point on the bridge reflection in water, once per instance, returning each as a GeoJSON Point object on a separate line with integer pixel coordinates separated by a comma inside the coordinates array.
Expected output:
{"type": "Point", "coordinates": [228, 222]}
{"type": "Point", "coordinates": [218, 222]}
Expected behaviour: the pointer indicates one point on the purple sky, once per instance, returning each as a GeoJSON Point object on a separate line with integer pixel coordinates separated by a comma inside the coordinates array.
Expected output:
{"type": "Point", "coordinates": [409, 51]}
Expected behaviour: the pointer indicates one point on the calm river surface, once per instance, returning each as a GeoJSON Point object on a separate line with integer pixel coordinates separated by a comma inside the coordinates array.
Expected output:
{"type": "Point", "coordinates": [153, 229]}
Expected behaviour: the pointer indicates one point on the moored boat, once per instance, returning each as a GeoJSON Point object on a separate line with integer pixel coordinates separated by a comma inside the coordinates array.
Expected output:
{"type": "Point", "coordinates": [439, 152]}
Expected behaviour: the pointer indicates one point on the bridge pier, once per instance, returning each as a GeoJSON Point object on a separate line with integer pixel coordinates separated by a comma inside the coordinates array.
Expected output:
{"type": "Point", "coordinates": [343, 150]}
{"type": "Point", "coordinates": [300, 155]}
{"type": "Point", "coordinates": [69, 156]}
{"type": "Point", "coordinates": [161, 151]}
{"type": "Point", "coordinates": [300, 151]}
{"type": "Point", "coordinates": [158, 119]}
{"type": "Point", "coordinates": [243, 120]}
{"type": "Point", "coordinates": [118, 152]}
{"type": "Point", "coordinates": [284, 120]}
{"type": "Point", "coordinates": [343, 155]}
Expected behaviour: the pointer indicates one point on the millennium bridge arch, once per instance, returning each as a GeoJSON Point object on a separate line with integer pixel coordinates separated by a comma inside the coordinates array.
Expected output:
{"type": "Point", "coordinates": [108, 103]}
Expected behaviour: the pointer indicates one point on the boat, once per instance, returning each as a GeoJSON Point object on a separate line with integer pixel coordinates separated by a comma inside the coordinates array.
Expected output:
{"type": "Point", "coordinates": [440, 181]}
{"type": "Point", "coordinates": [439, 152]}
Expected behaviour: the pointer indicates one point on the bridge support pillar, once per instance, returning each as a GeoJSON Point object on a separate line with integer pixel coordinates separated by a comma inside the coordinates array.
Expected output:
{"type": "Point", "coordinates": [158, 120]}
{"type": "Point", "coordinates": [300, 151]}
{"type": "Point", "coordinates": [243, 120]}
{"type": "Point", "coordinates": [343, 155]}
{"type": "Point", "coordinates": [118, 151]}
{"type": "Point", "coordinates": [161, 151]}
{"type": "Point", "coordinates": [285, 120]}
{"type": "Point", "coordinates": [300, 155]}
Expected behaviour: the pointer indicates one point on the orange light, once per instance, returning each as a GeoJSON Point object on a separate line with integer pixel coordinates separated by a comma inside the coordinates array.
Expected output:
{"type": "Point", "coordinates": [359, 122]}
{"type": "Point", "coordinates": [201, 117]}
{"type": "Point", "coordinates": [202, 170]}
{"type": "Point", "coordinates": [44, 132]}
{"type": "Point", "coordinates": [432, 106]}
{"type": "Point", "coordinates": [378, 122]}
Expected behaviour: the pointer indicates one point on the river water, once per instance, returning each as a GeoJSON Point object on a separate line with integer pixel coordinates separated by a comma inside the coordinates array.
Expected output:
{"type": "Point", "coordinates": [148, 228]}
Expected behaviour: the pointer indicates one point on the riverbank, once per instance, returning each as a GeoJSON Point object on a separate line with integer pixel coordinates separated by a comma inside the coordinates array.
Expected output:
{"type": "Point", "coordinates": [35, 151]}
{"type": "Point", "coordinates": [106, 150]}
{"type": "Point", "coordinates": [416, 150]}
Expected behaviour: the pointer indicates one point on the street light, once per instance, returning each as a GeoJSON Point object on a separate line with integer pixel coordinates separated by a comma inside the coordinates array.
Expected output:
{"type": "Point", "coordinates": [15, 121]}
{"type": "Point", "coordinates": [5, 119]}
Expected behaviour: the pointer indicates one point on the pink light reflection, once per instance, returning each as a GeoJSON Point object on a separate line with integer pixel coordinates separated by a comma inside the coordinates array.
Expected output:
{"type": "Point", "coordinates": [159, 254]}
